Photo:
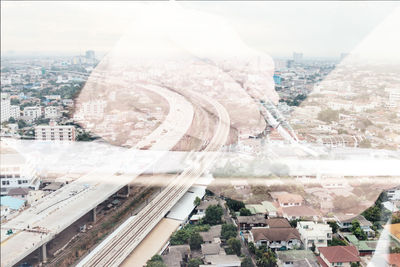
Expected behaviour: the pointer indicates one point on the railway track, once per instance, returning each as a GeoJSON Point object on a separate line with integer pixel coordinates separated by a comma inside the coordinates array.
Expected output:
{"type": "Point", "coordinates": [115, 252]}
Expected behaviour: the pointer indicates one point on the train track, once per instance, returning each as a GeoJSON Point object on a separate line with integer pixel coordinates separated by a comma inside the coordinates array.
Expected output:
{"type": "Point", "coordinates": [115, 252]}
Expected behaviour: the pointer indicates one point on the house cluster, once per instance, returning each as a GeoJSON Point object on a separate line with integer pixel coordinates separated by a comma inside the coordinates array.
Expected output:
{"type": "Point", "coordinates": [211, 252]}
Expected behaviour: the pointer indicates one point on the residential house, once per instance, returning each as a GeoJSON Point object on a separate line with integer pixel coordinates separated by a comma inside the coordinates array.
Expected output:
{"type": "Point", "coordinates": [213, 235]}
{"type": "Point", "coordinates": [270, 209]}
{"type": "Point", "coordinates": [338, 256]}
{"type": "Point", "coordinates": [222, 261]}
{"type": "Point", "coordinates": [345, 223]}
{"type": "Point", "coordinates": [19, 192]}
{"type": "Point", "coordinates": [275, 238]}
{"type": "Point", "coordinates": [177, 256]}
{"type": "Point", "coordinates": [296, 258]}
{"type": "Point", "coordinates": [278, 223]}
{"type": "Point", "coordinates": [286, 199]}
{"type": "Point", "coordinates": [257, 209]}
{"type": "Point", "coordinates": [300, 212]}
{"type": "Point", "coordinates": [201, 209]}
{"type": "Point", "coordinates": [248, 222]}
{"type": "Point", "coordinates": [314, 233]}
{"type": "Point", "coordinates": [211, 249]}
{"type": "Point", "coordinates": [364, 247]}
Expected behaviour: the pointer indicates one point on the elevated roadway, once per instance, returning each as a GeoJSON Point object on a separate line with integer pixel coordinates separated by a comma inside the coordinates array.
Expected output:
{"type": "Point", "coordinates": [36, 226]}
{"type": "Point", "coordinates": [120, 246]}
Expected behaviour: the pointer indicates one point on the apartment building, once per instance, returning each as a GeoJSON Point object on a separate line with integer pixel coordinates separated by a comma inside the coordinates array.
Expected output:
{"type": "Point", "coordinates": [52, 112]}
{"type": "Point", "coordinates": [314, 233]}
{"type": "Point", "coordinates": [32, 113]}
{"type": "Point", "coordinates": [55, 132]}
{"type": "Point", "coordinates": [17, 172]}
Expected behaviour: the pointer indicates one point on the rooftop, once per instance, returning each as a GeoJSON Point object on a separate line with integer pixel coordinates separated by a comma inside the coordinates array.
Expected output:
{"type": "Point", "coordinates": [299, 258]}
{"type": "Point", "coordinates": [275, 234]}
{"type": "Point", "coordinates": [340, 253]}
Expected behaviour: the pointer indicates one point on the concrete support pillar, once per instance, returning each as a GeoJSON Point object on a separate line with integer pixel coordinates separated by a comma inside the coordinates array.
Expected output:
{"type": "Point", "coordinates": [44, 253]}
{"type": "Point", "coordinates": [93, 214]}
{"type": "Point", "coordinates": [128, 190]}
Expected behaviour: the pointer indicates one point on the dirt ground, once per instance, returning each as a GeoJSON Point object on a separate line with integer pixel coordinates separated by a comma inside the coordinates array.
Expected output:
{"type": "Point", "coordinates": [152, 244]}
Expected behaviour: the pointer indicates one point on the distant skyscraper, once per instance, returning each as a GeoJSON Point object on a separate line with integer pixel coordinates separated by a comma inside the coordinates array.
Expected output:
{"type": "Point", "coordinates": [297, 57]}
{"type": "Point", "coordinates": [5, 107]}
{"type": "Point", "coordinates": [90, 54]}
{"type": "Point", "coordinates": [289, 64]}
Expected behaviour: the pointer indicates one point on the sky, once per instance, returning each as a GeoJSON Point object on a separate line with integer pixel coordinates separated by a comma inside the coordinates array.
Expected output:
{"type": "Point", "coordinates": [317, 29]}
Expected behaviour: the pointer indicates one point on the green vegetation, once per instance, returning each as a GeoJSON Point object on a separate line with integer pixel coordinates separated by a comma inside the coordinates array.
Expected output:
{"type": "Point", "coordinates": [195, 240]}
{"type": "Point", "coordinates": [328, 115]}
{"type": "Point", "coordinates": [336, 242]}
{"type": "Point", "coordinates": [156, 261]}
{"type": "Point", "coordinates": [195, 262]}
{"type": "Point", "coordinates": [252, 247]}
{"type": "Point", "coordinates": [244, 212]}
{"type": "Point", "coordinates": [188, 234]}
{"type": "Point", "coordinates": [197, 201]}
{"type": "Point", "coordinates": [265, 257]}
{"type": "Point", "coordinates": [246, 262]}
{"type": "Point", "coordinates": [213, 215]}
{"type": "Point", "coordinates": [357, 231]}
{"type": "Point", "coordinates": [378, 212]}
{"type": "Point", "coordinates": [334, 227]}
{"type": "Point", "coordinates": [228, 231]}
{"type": "Point", "coordinates": [234, 205]}
{"type": "Point", "coordinates": [234, 246]}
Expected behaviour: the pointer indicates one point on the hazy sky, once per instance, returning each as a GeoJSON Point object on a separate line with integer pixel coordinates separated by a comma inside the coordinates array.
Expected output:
{"type": "Point", "coordinates": [315, 28]}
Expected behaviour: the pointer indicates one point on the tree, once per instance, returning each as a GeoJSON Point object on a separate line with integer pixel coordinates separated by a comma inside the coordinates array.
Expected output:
{"type": "Point", "coordinates": [197, 201]}
{"type": "Point", "coordinates": [313, 247]}
{"type": "Point", "coordinates": [246, 262]}
{"type": "Point", "coordinates": [244, 212]}
{"type": "Point", "coordinates": [195, 240]}
{"type": "Point", "coordinates": [355, 264]}
{"type": "Point", "coordinates": [213, 215]}
{"type": "Point", "coordinates": [228, 231]}
{"type": "Point", "coordinates": [155, 261]}
{"type": "Point", "coordinates": [334, 227]}
{"type": "Point", "coordinates": [234, 246]}
{"type": "Point", "coordinates": [11, 120]}
{"type": "Point", "coordinates": [293, 223]}
{"type": "Point", "coordinates": [336, 242]}
{"type": "Point", "coordinates": [252, 247]}
{"type": "Point", "coordinates": [195, 262]}
{"type": "Point", "coordinates": [21, 124]}
{"type": "Point", "coordinates": [180, 237]}
{"type": "Point", "coordinates": [357, 231]}
{"type": "Point", "coordinates": [234, 205]}
{"type": "Point", "coordinates": [267, 259]}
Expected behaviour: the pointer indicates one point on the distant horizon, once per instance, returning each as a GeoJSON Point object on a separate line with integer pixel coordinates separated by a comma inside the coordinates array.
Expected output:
{"type": "Point", "coordinates": [316, 29]}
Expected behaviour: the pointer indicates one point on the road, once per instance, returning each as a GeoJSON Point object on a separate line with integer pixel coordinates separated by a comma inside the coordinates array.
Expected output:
{"type": "Point", "coordinates": [60, 209]}
{"type": "Point", "coordinates": [114, 252]}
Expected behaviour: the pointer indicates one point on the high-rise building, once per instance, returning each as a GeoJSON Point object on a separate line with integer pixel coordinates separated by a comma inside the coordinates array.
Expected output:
{"type": "Point", "coordinates": [90, 54]}
{"type": "Point", "coordinates": [15, 112]}
{"type": "Point", "coordinates": [5, 107]}
{"type": "Point", "coordinates": [297, 57]}
{"type": "Point", "coordinates": [52, 112]}
{"type": "Point", "coordinates": [32, 113]}
{"type": "Point", "coordinates": [55, 132]}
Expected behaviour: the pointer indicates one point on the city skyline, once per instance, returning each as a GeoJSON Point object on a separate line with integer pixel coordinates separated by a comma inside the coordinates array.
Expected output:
{"type": "Point", "coordinates": [285, 27]}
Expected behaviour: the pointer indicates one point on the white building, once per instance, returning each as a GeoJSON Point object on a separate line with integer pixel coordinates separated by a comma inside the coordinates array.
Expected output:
{"type": "Point", "coordinates": [52, 112]}
{"type": "Point", "coordinates": [32, 113]}
{"type": "Point", "coordinates": [5, 107]}
{"type": "Point", "coordinates": [393, 194]}
{"type": "Point", "coordinates": [15, 112]}
{"type": "Point", "coordinates": [55, 132]}
{"type": "Point", "coordinates": [16, 172]}
{"type": "Point", "coordinates": [314, 233]}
